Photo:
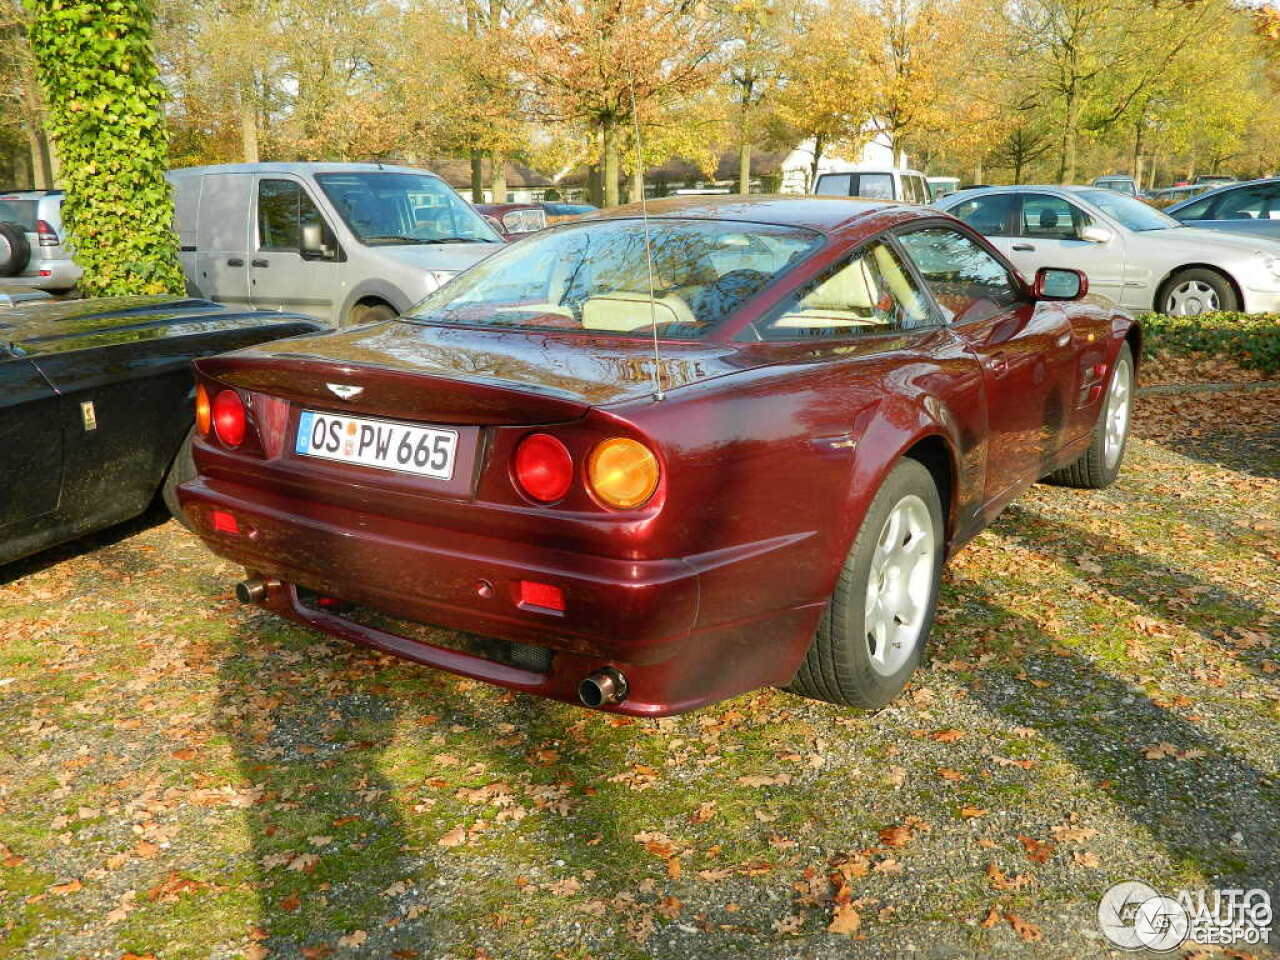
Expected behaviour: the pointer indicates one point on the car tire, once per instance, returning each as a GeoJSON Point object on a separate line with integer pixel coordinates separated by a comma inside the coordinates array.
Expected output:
{"type": "Point", "coordinates": [1099, 465]}
{"type": "Point", "coordinates": [862, 658]}
{"type": "Point", "coordinates": [15, 249]}
{"type": "Point", "coordinates": [363, 313]}
{"type": "Point", "coordinates": [182, 469]}
{"type": "Point", "coordinates": [1189, 293]}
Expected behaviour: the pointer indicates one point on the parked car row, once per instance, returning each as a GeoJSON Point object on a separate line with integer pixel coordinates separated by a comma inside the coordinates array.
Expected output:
{"type": "Point", "coordinates": [654, 460]}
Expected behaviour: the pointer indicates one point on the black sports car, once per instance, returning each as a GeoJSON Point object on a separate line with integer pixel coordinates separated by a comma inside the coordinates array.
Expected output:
{"type": "Point", "coordinates": [96, 402]}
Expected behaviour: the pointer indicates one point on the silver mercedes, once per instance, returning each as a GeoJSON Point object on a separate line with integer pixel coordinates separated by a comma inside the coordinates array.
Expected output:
{"type": "Point", "coordinates": [1131, 252]}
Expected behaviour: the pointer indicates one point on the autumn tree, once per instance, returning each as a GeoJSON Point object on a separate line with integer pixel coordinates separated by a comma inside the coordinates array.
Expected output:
{"type": "Point", "coordinates": [826, 97]}
{"type": "Point", "coordinates": [755, 51]}
{"type": "Point", "coordinates": [21, 105]}
{"type": "Point", "coordinates": [596, 62]}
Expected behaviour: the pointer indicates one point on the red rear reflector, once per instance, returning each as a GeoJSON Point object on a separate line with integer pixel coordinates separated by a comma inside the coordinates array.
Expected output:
{"type": "Point", "coordinates": [225, 522]}
{"type": "Point", "coordinates": [46, 273]}
{"type": "Point", "coordinates": [542, 595]}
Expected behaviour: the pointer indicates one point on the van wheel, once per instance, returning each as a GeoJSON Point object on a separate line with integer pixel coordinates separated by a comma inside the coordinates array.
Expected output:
{"type": "Point", "coordinates": [873, 631]}
{"type": "Point", "coordinates": [15, 250]}
{"type": "Point", "coordinates": [363, 313]}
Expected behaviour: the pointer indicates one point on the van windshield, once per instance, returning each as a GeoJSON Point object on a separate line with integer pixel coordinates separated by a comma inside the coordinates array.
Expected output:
{"type": "Point", "coordinates": [386, 208]}
{"type": "Point", "coordinates": [595, 276]}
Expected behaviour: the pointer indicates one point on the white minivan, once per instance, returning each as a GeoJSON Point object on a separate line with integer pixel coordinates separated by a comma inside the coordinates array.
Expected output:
{"type": "Point", "coordinates": [346, 243]}
{"type": "Point", "coordinates": [904, 186]}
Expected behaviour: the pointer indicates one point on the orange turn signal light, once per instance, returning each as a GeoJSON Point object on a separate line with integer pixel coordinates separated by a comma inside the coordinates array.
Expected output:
{"type": "Point", "coordinates": [204, 412]}
{"type": "Point", "coordinates": [622, 472]}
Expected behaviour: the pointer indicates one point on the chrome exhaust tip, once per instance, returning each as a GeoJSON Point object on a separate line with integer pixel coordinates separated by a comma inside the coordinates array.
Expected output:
{"type": "Point", "coordinates": [602, 688]}
{"type": "Point", "coordinates": [251, 591]}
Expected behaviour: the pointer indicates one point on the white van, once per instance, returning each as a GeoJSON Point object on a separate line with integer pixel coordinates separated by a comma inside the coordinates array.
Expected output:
{"type": "Point", "coordinates": [904, 186]}
{"type": "Point", "coordinates": [344, 242]}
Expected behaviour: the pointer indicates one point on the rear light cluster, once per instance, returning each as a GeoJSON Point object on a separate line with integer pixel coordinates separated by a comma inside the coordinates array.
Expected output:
{"type": "Point", "coordinates": [47, 236]}
{"type": "Point", "coordinates": [621, 473]}
{"type": "Point", "coordinates": [225, 415]}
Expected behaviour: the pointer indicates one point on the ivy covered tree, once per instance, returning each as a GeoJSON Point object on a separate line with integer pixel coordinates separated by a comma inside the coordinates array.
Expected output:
{"type": "Point", "coordinates": [96, 65]}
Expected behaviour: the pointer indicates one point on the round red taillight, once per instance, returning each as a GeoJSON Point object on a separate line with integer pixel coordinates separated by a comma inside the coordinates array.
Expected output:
{"type": "Point", "coordinates": [228, 418]}
{"type": "Point", "coordinates": [543, 467]}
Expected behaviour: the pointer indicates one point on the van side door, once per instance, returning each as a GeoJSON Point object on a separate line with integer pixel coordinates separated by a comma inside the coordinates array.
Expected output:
{"type": "Point", "coordinates": [281, 276]}
{"type": "Point", "coordinates": [222, 232]}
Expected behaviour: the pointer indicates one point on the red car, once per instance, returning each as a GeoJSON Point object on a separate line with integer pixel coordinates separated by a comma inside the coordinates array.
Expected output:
{"type": "Point", "coordinates": [649, 502]}
{"type": "Point", "coordinates": [513, 220]}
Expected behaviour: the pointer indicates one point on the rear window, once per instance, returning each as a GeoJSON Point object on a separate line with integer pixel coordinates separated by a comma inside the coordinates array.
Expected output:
{"type": "Point", "coordinates": [19, 210]}
{"type": "Point", "coordinates": [596, 277]}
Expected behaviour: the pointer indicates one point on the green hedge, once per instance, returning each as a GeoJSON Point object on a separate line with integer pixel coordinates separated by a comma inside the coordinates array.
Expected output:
{"type": "Point", "coordinates": [1251, 340]}
{"type": "Point", "coordinates": [105, 108]}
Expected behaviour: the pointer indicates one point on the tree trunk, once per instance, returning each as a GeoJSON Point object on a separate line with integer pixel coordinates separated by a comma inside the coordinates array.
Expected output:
{"type": "Point", "coordinates": [41, 168]}
{"type": "Point", "coordinates": [248, 130]}
{"type": "Point", "coordinates": [637, 184]}
{"type": "Point", "coordinates": [978, 172]}
{"type": "Point", "coordinates": [610, 163]}
{"type": "Point", "coordinates": [477, 176]}
{"type": "Point", "coordinates": [1067, 160]}
{"type": "Point", "coordinates": [22, 167]}
{"type": "Point", "coordinates": [55, 162]}
{"type": "Point", "coordinates": [595, 196]}
{"type": "Point", "coordinates": [498, 178]}
{"type": "Point", "coordinates": [818, 147]}
{"type": "Point", "coordinates": [1018, 163]}
{"type": "Point", "coordinates": [744, 168]}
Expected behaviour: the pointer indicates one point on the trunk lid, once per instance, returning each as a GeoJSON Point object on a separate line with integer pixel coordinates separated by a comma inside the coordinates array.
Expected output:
{"type": "Point", "coordinates": [463, 375]}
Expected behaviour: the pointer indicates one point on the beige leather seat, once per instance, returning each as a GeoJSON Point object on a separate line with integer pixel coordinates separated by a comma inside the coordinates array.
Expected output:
{"type": "Point", "coordinates": [624, 311]}
{"type": "Point", "coordinates": [846, 299]}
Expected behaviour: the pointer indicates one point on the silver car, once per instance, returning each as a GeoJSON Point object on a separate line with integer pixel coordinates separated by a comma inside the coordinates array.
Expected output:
{"type": "Point", "coordinates": [344, 242]}
{"type": "Point", "coordinates": [33, 251]}
{"type": "Point", "coordinates": [1251, 208]}
{"type": "Point", "coordinates": [1131, 252]}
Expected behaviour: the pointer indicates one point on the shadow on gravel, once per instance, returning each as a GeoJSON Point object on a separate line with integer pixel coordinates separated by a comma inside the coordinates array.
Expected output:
{"type": "Point", "coordinates": [1211, 809]}
{"type": "Point", "coordinates": [1257, 454]}
{"type": "Point", "coordinates": [89, 543]}
{"type": "Point", "coordinates": [1203, 607]}
{"type": "Point", "coordinates": [327, 840]}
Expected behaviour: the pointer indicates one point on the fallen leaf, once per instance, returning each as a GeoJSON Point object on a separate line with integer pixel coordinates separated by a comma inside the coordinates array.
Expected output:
{"type": "Point", "coordinates": [991, 919]}
{"type": "Point", "coordinates": [1029, 932]}
{"type": "Point", "coordinates": [353, 939]}
{"type": "Point", "coordinates": [970, 812]}
{"type": "Point", "coordinates": [62, 889]}
{"type": "Point", "coordinates": [454, 838]}
{"type": "Point", "coordinates": [844, 919]}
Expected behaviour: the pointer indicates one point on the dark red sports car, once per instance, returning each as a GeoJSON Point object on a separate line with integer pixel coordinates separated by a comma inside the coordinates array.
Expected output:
{"type": "Point", "coordinates": [651, 464]}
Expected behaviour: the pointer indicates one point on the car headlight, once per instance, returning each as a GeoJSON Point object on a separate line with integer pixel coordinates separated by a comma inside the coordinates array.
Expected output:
{"type": "Point", "coordinates": [438, 278]}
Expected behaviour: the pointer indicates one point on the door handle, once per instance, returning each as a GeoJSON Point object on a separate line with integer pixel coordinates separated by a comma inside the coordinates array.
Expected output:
{"type": "Point", "coordinates": [1025, 247]}
{"type": "Point", "coordinates": [261, 262]}
{"type": "Point", "coordinates": [999, 364]}
{"type": "Point", "coordinates": [234, 262]}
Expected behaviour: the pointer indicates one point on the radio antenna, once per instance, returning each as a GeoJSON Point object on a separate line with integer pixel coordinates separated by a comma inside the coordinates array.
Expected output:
{"type": "Point", "coordinates": [648, 245]}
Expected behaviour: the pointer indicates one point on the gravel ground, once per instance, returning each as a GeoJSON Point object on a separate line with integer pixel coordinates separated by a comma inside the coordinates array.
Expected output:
{"type": "Point", "coordinates": [184, 778]}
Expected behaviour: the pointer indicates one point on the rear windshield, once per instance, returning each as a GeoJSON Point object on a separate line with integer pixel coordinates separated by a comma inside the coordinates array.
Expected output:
{"type": "Point", "coordinates": [596, 276]}
{"type": "Point", "coordinates": [19, 210]}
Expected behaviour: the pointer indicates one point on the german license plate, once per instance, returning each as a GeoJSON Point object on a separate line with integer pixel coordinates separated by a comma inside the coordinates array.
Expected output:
{"type": "Point", "coordinates": [385, 444]}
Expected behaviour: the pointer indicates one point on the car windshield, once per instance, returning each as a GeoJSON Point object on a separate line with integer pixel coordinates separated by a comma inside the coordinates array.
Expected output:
{"type": "Point", "coordinates": [595, 276]}
{"type": "Point", "coordinates": [1128, 211]}
{"type": "Point", "coordinates": [383, 209]}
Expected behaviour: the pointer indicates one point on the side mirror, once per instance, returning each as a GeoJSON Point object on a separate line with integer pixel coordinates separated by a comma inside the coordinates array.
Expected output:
{"type": "Point", "coordinates": [1060, 283]}
{"type": "Point", "coordinates": [313, 245]}
{"type": "Point", "coordinates": [1095, 233]}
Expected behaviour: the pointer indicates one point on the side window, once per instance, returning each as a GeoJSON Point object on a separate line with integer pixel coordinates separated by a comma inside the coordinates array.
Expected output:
{"type": "Point", "coordinates": [833, 185]}
{"type": "Point", "coordinates": [877, 186]}
{"type": "Point", "coordinates": [989, 213]}
{"type": "Point", "coordinates": [921, 190]}
{"type": "Point", "coordinates": [283, 209]}
{"type": "Point", "coordinates": [1050, 218]}
{"type": "Point", "coordinates": [967, 281]}
{"type": "Point", "coordinates": [872, 293]}
{"type": "Point", "coordinates": [1196, 211]}
{"type": "Point", "coordinates": [1247, 204]}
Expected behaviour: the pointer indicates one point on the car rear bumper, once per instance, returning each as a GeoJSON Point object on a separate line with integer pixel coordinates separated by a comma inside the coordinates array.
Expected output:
{"type": "Point", "coordinates": [50, 275]}
{"type": "Point", "coordinates": [640, 617]}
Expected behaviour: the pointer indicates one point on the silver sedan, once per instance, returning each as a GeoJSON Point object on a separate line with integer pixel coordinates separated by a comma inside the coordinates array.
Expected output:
{"type": "Point", "coordinates": [1249, 208]}
{"type": "Point", "coordinates": [1132, 253]}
